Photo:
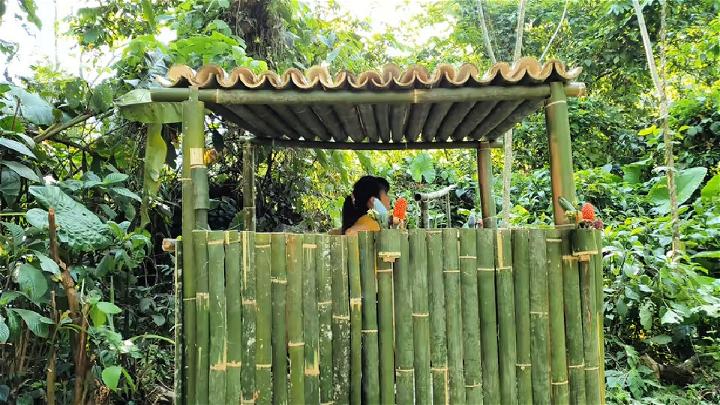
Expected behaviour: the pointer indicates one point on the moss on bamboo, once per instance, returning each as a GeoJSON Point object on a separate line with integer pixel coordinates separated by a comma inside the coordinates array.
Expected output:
{"type": "Point", "coordinates": [507, 352]}
{"type": "Point", "coordinates": [488, 315]}
{"type": "Point", "coordinates": [451, 271]}
{"type": "Point", "coordinates": [573, 321]}
{"type": "Point", "coordinates": [202, 326]}
{"type": "Point", "coordinates": [324, 294]}
{"type": "Point", "coordinates": [341, 321]}
{"type": "Point", "coordinates": [249, 319]}
{"type": "Point", "coordinates": [539, 320]}
{"type": "Point", "coordinates": [370, 355]}
{"type": "Point", "coordinates": [421, 318]}
{"type": "Point", "coordinates": [311, 322]}
{"type": "Point", "coordinates": [179, 326]}
{"type": "Point", "coordinates": [558, 359]}
{"type": "Point", "coordinates": [263, 358]}
{"type": "Point", "coordinates": [438, 335]}
{"type": "Point", "coordinates": [404, 358]}
{"type": "Point", "coordinates": [388, 251]}
{"type": "Point", "coordinates": [521, 278]}
{"type": "Point", "coordinates": [353, 250]}
{"type": "Point", "coordinates": [278, 278]}
{"type": "Point", "coordinates": [296, 342]}
{"type": "Point", "coordinates": [470, 317]}
{"type": "Point", "coordinates": [216, 275]}
{"type": "Point", "coordinates": [233, 298]}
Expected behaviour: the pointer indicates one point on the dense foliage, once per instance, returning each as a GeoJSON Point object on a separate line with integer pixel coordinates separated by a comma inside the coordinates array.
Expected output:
{"type": "Point", "coordinates": [62, 146]}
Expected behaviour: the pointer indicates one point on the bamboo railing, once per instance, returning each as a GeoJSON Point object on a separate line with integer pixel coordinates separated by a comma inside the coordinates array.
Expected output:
{"type": "Point", "coordinates": [422, 316]}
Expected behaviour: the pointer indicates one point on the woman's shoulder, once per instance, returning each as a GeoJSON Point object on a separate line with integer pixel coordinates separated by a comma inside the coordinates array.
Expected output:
{"type": "Point", "coordinates": [364, 223]}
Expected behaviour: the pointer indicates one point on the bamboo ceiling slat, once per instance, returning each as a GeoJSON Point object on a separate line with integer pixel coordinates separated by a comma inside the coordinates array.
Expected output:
{"type": "Point", "coordinates": [434, 119]}
{"type": "Point", "coordinates": [474, 118]}
{"type": "Point", "coordinates": [248, 120]}
{"type": "Point", "coordinates": [454, 117]}
{"type": "Point", "coordinates": [367, 117]}
{"type": "Point", "coordinates": [398, 117]}
{"type": "Point", "coordinates": [298, 126]}
{"type": "Point", "coordinates": [416, 120]}
{"type": "Point", "coordinates": [383, 120]}
{"type": "Point", "coordinates": [328, 118]}
{"type": "Point", "coordinates": [348, 117]}
{"type": "Point", "coordinates": [501, 111]}
{"type": "Point", "coordinates": [308, 117]}
{"type": "Point", "coordinates": [523, 110]}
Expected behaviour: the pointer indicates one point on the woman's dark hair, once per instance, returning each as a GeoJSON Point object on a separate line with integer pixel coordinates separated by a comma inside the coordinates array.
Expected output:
{"type": "Point", "coordinates": [355, 205]}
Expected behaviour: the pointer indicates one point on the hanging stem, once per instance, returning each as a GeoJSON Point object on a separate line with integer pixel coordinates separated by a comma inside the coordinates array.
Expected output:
{"type": "Point", "coordinates": [557, 29]}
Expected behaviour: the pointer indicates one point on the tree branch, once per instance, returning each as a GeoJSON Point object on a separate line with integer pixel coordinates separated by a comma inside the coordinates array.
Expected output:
{"type": "Point", "coordinates": [557, 29]}
{"type": "Point", "coordinates": [56, 129]}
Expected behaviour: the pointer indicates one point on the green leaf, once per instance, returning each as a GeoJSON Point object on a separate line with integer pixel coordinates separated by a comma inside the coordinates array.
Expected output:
{"type": "Point", "coordinates": [30, 8]}
{"type": "Point", "coordinates": [4, 331]}
{"type": "Point", "coordinates": [126, 193]}
{"type": "Point", "coordinates": [32, 282]}
{"type": "Point", "coordinates": [33, 107]}
{"type": "Point", "coordinates": [712, 254]}
{"type": "Point", "coordinates": [646, 313]}
{"type": "Point", "coordinates": [97, 317]}
{"type": "Point", "coordinates": [365, 161]}
{"type": "Point", "coordinates": [47, 264]}
{"type": "Point", "coordinates": [670, 317]}
{"type": "Point", "coordinates": [114, 178]}
{"type": "Point", "coordinates": [101, 98]}
{"type": "Point", "coordinates": [9, 184]}
{"type": "Point", "coordinates": [659, 340]}
{"type": "Point", "coordinates": [155, 154]}
{"type": "Point", "coordinates": [422, 167]}
{"type": "Point", "coordinates": [108, 307]}
{"type": "Point", "coordinates": [8, 297]}
{"type": "Point", "coordinates": [712, 188]}
{"type": "Point", "coordinates": [111, 376]}
{"type": "Point", "coordinates": [156, 112]}
{"type": "Point", "coordinates": [21, 170]}
{"type": "Point", "coordinates": [17, 147]}
{"type": "Point", "coordinates": [686, 181]}
{"type": "Point", "coordinates": [633, 171]}
{"type": "Point", "coordinates": [37, 323]}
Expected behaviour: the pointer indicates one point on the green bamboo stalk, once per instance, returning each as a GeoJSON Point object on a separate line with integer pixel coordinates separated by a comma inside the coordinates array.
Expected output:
{"type": "Point", "coordinates": [324, 291]}
{"type": "Point", "coordinates": [558, 370]}
{"type": "Point", "coordinates": [438, 338]}
{"type": "Point", "coordinates": [421, 317]}
{"type": "Point", "coordinates": [539, 321]}
{"type": "Point", "coordinates": [599, 282]}
{"type": "Point", "coordinates": [263, 358]}
{"type": "Point", "coordinates": [341, 321]}
{"type": "Point", "coordinates": [470, 317]}
{"type": "Point", "coordinates": [278, 277]}
{"type": "Point", "coordinates": [201, 199]}
{"type": "Point", "coordinates": [249, 186]}
{"type": "Point", "coordinates": [202, 326]}
{"type": "Point", "coordinates": [561, 165]}
{"type": "Point", "coordinates": [216, 273]}
{"type": "Point", "coordinates": [488, 315]}
{"type": "Point", "coordinates": [404, 359]}
{"type": "Point", "coordinates": [451, 271]}
{"type": "Point", "coordinates": [583, 249]}
{"type": "Point", "coordinates": [388, 252]}
{"type": "Point", "coordinates": [296, 342]}
{"type": "Point", "coordinates": [521, 273]}
{"type": "Point", "coordinates": [179, 326]}
{"type": "Point", "coordinates": [353, 249]}
{"type": "Point", "coordinates": [311, 322]}
{"type": "Point", "coordinates": [233, 284]}
{"type": "Point", "coordinates": [573, 321]}
{"type": "Point", "coordinates": [370, 355]}
{"type": "Point", "coordinates": [507, 347]}
{"type": "Point", "coordinates": [249, 318]}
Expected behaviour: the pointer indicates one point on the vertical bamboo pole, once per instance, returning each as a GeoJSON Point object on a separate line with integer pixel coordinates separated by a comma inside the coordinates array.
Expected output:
{"type": "Point", "coordinates": [451, 270]}
{"type": "Point", "coordinates": [438, 337]}
{"type": "Point", "coordinates": [278, 278]}
{"type": "Point", "coordinates": [507, 347]}
{"type": "Point", "coordinates": [470, 317]}
{"type": "Point", "coordinates": [485, 182]}
{"type": "Point", "coordinates": [521, 274]}
{"type": "Point", "coordinates": [201, 199]}
{"type": "Point", "coordinates": [599, 283]}
{"type": "Point", "coordinates": [249, 186]}
{"type": "Point", "coordinates": [558, 359]}
{"type": "Point", "coordinates": [421, 318]}
{"type": "Point", "coordinates": [216, 273]}
{"type": "Point", "coordinates": [202, 325]}
{"type": "Point", "coordinates": [539, 321]}
{"type": "Point", "coordinates": [324, 297]}
{"type": "Point", "coordinates": [296, 342]}
{"type": "Point", "coordinates": [353, 249]}
{"type": "Point", "coordinates": [561, 165]}
{"type": "Point", "coordinates": [193, 143]}
{"type": "Point", "coordinates": [404, 347]}
{"type": "Point", "coordinates": [180, 395]}
{"type": "Point", "coordinates": [370, 355]}
{"type": "Point", "coordinates": [488, 315]}
{"type": "Point", "coordinates": [233, 286]}
{"type": "Point", "coordinates": [573, 321]}
{"type": "Point", "coordinates": [583, 249]}
{"type": "Point", "coordinates": [263, 364]}
{"type": "Point", "coordinates": [341, 321]}
{"type": "Point", "coordinates": [249, 318]}
{"type": "Point", "coordinates": [311, 322]}
{"type": "Point", "coordinates": [388, 252]}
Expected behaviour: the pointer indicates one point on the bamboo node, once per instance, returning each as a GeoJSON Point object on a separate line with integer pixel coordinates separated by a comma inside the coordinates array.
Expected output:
{"type": "Point", "coordinates": [468, 257]}
{"type": "Point", "coordinates": [504, 268]}
{"type": "Point", "coordinates": [277, 280]}
{"type": "Point", "coordinates": [555, 102]}
{"type": "Point", "coordinates": [523, 366]}
{"type": "Point", "coordinates": [249, 302]}
{"type": "Point", "coordinates": [309, 246]}
{"type": "Point", "coordinates": [591, 368]}
{"type": "Point", "coordinates": [451, 271]}
{"type": "Point", "coordinates": [585, 253]}
{"type": "Point", "coordinates": [389, 257]}
{"type": "Point", "coordinates": [263, 366]}
{"type": "Point", "coordinates": [560, 383]}
{"type": "Point", "coordinates": [569, 258]}
{"type": "Point", "coordinates": [202, 295]}
{"type": "Point", "coordinates": [355, 301]}
{"type": "Point", "coordinates": [369, 331]}
{"type": "Point", "coordinates": [472, 385]}
{"type": "Point", "coordinates": [439, 369]}
{"type": "Point", "coordinates": [217, 367]}
{"type": "Point", "coordinates": [490, 269]}
{"type": "Point", "coordinates": [296, 344]}
{"type": "Point", "coordinates": [216, 242]}
{"type": "Point", "coordinates": [312, 371]}
{"type": "Point", "coordinates": [421, 314]}
{"type": "Point", "coordinates": [581, 365]}
{"type": "Point", "coordinates": [384, 270]}
{"type": "Point", "coordinates": [342, 317]}
{"type": "Point", "coordinates": [404, 370]}
{"type": "Point", "coordinates": [233, 364]}
{"type": "Point", "coordinates": [324, 303]}
{"type": "Point", "coordinates": [553, 240]}
{"type": "Point", "coordinates": [262, 246]}
{"type": "Point", "coordinates": [189, 299]}
{"type": "Point", "coordinates": [539, 313]}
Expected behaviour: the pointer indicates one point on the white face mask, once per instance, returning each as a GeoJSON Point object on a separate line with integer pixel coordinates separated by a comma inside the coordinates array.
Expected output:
{"type": "Point", "coordinates": [381, 210]}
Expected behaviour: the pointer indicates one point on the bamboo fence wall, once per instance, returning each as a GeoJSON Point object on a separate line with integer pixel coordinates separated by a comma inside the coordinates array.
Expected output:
{"type": "Point", "coordinates": [421, 316]}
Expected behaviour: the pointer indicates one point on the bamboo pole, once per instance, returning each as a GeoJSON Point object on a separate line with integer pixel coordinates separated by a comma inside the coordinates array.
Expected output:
{"type": "Point", "coordinates": [370, 355]}
{"type": "Point", "coordinates": [488, 315]}
{"type": "Point", "coordinates": [599, 283]}
{"type": "Point", "coordinates": [341, 321]}
{"type": "Point", "coordinates": [451, 271]}
{"type": "Point", "coordinates": [485, 181]}
{"type": "Point", "coordinates": [470, 317]}
{"type": "Point", "coordinates": [324, 297]}
{"type": "Point", "coordinates": [388, 252]}
{"type": "Point", "coordinates": [521, 273]}
{"type": "Point", "coordinates": [233, 286]}
{"type": "Point", "coordinates": [202, 326]}
{"type": "Point", "coordinates": [370, 145]}
{"type": "Point", "coordinates": [420, 315]}
{"type": "Point", "coordinates": [353, 249]}
{"type": "Point", "coordinates": [507, 348]}
{"type": "Point", "coordinates": [311, 322]}
{"type": "Point", "coordinates": [263, 359]}
{"type": "Point", "coordinates": [218, 343]}
{"type": "Point", "coordinates": [583, 248]}
{"type": "Point", "coordinates": [278, 278]}
{"type": "Point", "coordinates": [180, 342]}
{"type": "Point", "coordinates": [573, 321]}
{"type": "Point", "coordinates": [249, 319]}
{"type": "Point", "coordinates": [561, 166]}
{"type": "Point", "coordinates": [404, 347]}
{"type": "Point", "coordinates": [201, 199]}
{"type": "Point", "coordinates": [295, 336]}
{"type": "Point", "coordinates": [558, 370]}
{"type": "Point", "coordinates": [438, 335]}
{"type": "Point", "coordinates": [249, 186]}
{"type": "Point", "coordinates": [539, 321]}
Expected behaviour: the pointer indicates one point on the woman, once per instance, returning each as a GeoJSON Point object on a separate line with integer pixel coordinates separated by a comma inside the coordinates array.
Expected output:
{"type": "Point", "coordinates": [368, 193]}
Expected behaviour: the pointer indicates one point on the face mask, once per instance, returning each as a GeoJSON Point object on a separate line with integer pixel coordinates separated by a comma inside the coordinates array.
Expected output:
{"type": "Point", "coordinates": [379, 207]}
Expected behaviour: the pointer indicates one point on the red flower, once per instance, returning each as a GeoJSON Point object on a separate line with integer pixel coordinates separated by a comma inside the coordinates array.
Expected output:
{"type": "Point", "coordinates": [400, 209]}
{"type": "Point", "coordinates": [588, 212]}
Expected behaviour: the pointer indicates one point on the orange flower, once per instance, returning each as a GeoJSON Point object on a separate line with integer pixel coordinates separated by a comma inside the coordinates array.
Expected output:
{"type": "Point", "coordinates": [588, 212]}
{"type": "Point", "coordinates": [400, 209]}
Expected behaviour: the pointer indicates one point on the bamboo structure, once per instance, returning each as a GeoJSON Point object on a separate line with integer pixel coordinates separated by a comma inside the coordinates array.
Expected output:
{"type": "Point", "coordinates": [249, 319]}
{"type": "Point", "coordinates": [600, 311]}
{"type": "Point", "coordinates": [340, 322]}
{"type": "Point", "coordinates": [370, 354]}
{"type": "Point", "coordinates": [218, 343]}
{"type": "Point", "coordinates": [470, 317]}
{"type": "Point", "coordinates": [179, 325]}
{"type": "Point", "coordinates": [485, 181]}
{"type": "Point", "coordinates": [420, 315]}
{"type": "Point", "coordinates": [323, 274]}
{"type": "Point", "coordinates": [295, 335]}
{"type": "Point", "coordinates": [263, 356]}
{"type": "Point", "coordinates": [539, 320]}
{"type": "Point", "coordinates": [404, 346]}
{"type": "Point", "coordinates": [249, 186]}
{"type": "Point", "coordinates": [558, 359]}
{"type": "Point", "coordinates": [583, 249]}
{"type": "Point", "coordinates": [488, 315]}
{"type": "Point", "coordinates": [388, 253]}
{"type": "Point", "coordinates": [561, 167]}
{"type": "Point", "coordinates": [507, 354]}
{"type": "Point", "coordinates": [278, 278]}
{"type": "Point", "coordinates": [521, 276]}
{"type": "Point", "coordinates": [233, 297]}
{"type": "Point", "coordinates": [353, 249]}
{"type": "Point", "coordinates": [573, 322]}
{"type": "Point", "coordinates": [451, 271]}
{"type": "Point", "coordinates": [202, 325]}
{"type": "Point", "coordinates": [438, 335]}
{"type": "Point", "coordinates": [311, 322]}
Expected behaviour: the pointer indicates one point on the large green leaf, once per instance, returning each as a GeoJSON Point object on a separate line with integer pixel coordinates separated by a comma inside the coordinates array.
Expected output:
{"type": "Point", "coordinates": [32, 282]}
{"type": "Point", "coordinates": [4, 331]}
{"type": "Point", "coordinates": [422, 167]}
{"type": "Point", "coordinates": [153, 113]}
{"type": "Point", "coordinates": [686, 181]}
{"type": "Point", "coordinates": [16, 146]}
{"type": "Point", "coordinates": [126, 193]}
{"type": "Point", "coordinates": [33, 107]}
{"type": "Point", "coordinates": [47, 264]}
{"type": "Point", "coordinates": [155, 154]}
{"type": "Point", "coordinates": [114, 178]}
{"type": "Point", "coordinates": [9, 184]}
{"type": "Point", "coordinates": [712, 188]}
{"type": "Point", "coordinates": [21, 170]}
{"type": "Point", "coordinates": [37, 323]}
{"type": "Point", "coordinates": [111, 376]}
{"type": "Point", "coordinates": [101, 98]}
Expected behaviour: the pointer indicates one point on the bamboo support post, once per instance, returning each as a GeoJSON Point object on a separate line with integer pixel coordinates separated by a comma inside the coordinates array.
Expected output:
{"type": "Point", "coordinates": [388, 251]}
{"type": "Point", "coordinates": [521, 278]}
{"type": "Point", "coordinates": [584, 248]}
{"type": "Point", "coordinates": [278, 278]}
{"type": "Point", "coordinates": [202, 325]}
{"type": "Point", "coordinates": [485, 182]}
{"type": "Point", "coordinates": [438, 335]}
{"type": "Point", "coordinates": [218, 343]}
{"type": "Point", "coordinates": [539, 319]}
{"type": "Point", "coordinates": [370, 355]}
{"type": "Point", "coordinates": [295, 336]}
{"type": "Point", "coordinates": [249, 318]}
{"type": "Point", "coordinates": [311, 322]}
{"type": "Point", "coordinates": [404, 347]}
{"type": "Point", "coordinates": [507, 348]}
{"type": "Point", "coordinates": [470, 317]}
{"type": "Point", "coordinates": [561, 166]}
{"type": "Point", "coordinates": [488, 315]}
{"type": "Point", "coordinates": [263, 357]}
{"type": "Point", "coordinates": [180, 342]}
{"type": "Point", "coordinates": [324, 303]}
{"type": "Point", "coordinates": [201, 199]}
{"type": "Point", "coordinates": [599, 283]}
{"type": "Point", "coordinates": [421, 318]}
{"type": "Point", "coordinates": [249, 186]}
{"type": "Point", "coordinates": [233, 286]}
{"type": "Point", "coordinates": [353, 250]}
{"type": "Point", "coordinates": [341, 321]}
{"type": "Point", "coordinates": [451, 271]}
{"type": "Point", "coordinates": [573, 321]}
{"type": "Point", "coordinates": [558, 359]}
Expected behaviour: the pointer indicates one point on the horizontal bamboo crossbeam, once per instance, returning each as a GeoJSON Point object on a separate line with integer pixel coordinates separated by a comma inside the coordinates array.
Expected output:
{"type": "Point", "coordinates": [286, 143]}
{"type": "Point", "coordinates": [435, 194]}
